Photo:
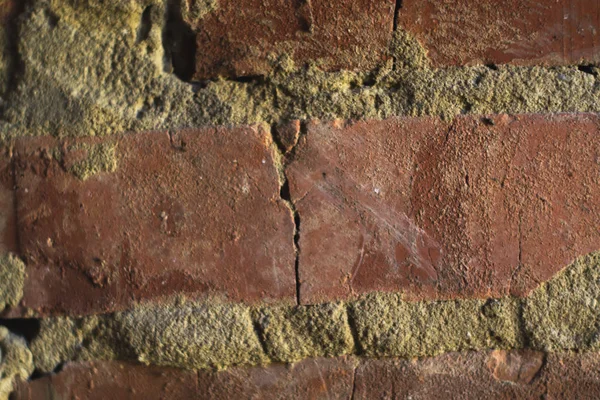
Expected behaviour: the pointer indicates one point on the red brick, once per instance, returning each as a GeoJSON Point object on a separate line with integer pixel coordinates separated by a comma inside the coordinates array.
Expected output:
{"type": "Point", "coordinates": [526, 32]}
{"type": "Point", "coordinates": [237, 39]}
{"type": "Point", "coordinates": [451, 375]}
{"type": "Point", "coordinates": [200, 215]}
{"type": "Point", "coordinates": [309, 379]}
{"type": "Point", "coordinates": [318, 378]}
{"type": "Point", "coordinates": [517, 366]}
{"type": "Point", "coordinates": [110, 380]}
{"type": "Point", "coordinates": [477, 208]}
{"type": "Point", "coordinates": [466, 376]}
{"type": "Point", "coordinates": [8, 229]}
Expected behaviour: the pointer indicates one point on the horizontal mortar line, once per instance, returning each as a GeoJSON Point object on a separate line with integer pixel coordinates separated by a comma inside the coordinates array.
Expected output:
{"type": "Point", "coordinates": [343, 328]}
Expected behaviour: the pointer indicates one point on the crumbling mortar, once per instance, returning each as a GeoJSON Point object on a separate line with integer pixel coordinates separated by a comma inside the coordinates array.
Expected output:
{"type": "Point", "coordinates": [13, 63]}
{"type": "Point", "coordinates": [120, 91]}
{"type": "Point", "coordinates": [375, 325]}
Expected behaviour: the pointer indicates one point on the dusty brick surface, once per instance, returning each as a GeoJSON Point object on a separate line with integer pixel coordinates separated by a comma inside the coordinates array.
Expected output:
{"type": "Point", "coordinates": [8, 229]}
{"type": "Point", "coordinates": [515, 366]}
{"type": "Point", "coordinates": [196, 214]}
{"type": "Point", "coordinates": [467, 375]}
{"type": "Point", "coordinates": [529, 32]}
{"type": "Point", "coordinates": [107, 380]}
{"type": "Point", "coordinates": [475, 208]}
{"type": "Point", "coordinates": [235, 39]}
{"type": "Point", "coordinates": [452, 375]}
{"type": "Point", "coordinates": [310, 379]}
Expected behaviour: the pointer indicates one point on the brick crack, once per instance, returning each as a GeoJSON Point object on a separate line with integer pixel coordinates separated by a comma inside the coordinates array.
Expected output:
{"type": "Point", "coordinates": [286, 156]}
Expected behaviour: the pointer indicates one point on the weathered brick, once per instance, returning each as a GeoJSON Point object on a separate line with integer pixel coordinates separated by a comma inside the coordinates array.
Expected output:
{"type": "Point", "coordinates": [8, 228]}
{"type": "Point", "coordinates": [475, 208]}
{"type": "Point", "coordinates": [309, 379]}
{"type": "Point", "coordinates": [526, 32]}
{"type": "Point", "coordinates": [316, 378]}
{"type": "Point", "coordinates": [467, 375]}
{"type": "Point", "coordinates": [110, 380]}
{"type": "Point", "coordinates": [451, 375]}
{"type": "Point", "coordinates": [106, 222]}
{"type": "Point", "coordinates": [240, 39]}
{"type": "Point", "coordinates": [515, 366]}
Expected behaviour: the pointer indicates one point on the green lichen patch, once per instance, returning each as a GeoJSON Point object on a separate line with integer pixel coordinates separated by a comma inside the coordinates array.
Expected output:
{"type": "Point", "coordinates": [12, 279]}
{"type": "Point", "coordinates": [294, 333]}
{"type": "Point", "coordinates": [388, 326]}
{"type": "Point", "coordinates": [16, 361]}
{"type": "Point", "coordinates": [564, 313]}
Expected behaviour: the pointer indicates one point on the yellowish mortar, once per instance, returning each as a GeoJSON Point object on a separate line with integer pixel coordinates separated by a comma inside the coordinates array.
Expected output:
{"type": "Point", "coordinates": [561, 315]}
{"type": "Point", "coordinates": [86, 73]}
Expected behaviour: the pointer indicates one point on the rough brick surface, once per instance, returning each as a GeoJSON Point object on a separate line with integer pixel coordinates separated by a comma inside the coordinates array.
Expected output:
{"type": "Point", "coordinates": [479, 207]}
{"type": "Point", "coordinates": [454, 375]}
{"type": "Point", "coordinates": [106, 380]}
{"type": "Point", "coordinates": [8, 229]}
{"type": "Point", "coordinates": [310, 379]}
{"type": "Point", "coordinates": [467, 375]}
{"type": "Point", "coordinates": [198, 213]}
{"type": "Point", "coordinates": [240, 39]}
{"type": "Point", "coordinates": [517, 31]}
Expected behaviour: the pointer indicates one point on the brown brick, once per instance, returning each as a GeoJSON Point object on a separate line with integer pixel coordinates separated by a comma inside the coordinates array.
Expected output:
{"type": "Point", "coordinates": [199, 214]}
{"type": "Point", "coordinates": [237, 39]}
{"type": "Point", "coordinates": [111, 380]}
{"type": "Point", "coordinates": [526, 32]}
{"type": "Point", "coordinates": [309, 379]}
{"type": "Point", "coordinates": [476, 208]}
{"type": "Point", "coordinates": [317, 378]}
{"type": "Point", "coordinates": [517, 366]}
{"type": "Point", "coordinates": [8, 229]}
{"type": "Point", "coordinates": [466, 375]}
{"type": "Point", "coordinates": [451, 375]}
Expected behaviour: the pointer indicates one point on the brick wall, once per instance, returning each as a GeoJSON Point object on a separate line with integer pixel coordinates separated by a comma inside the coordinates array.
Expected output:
{"type": "Point", "coordinates": [299, 199]}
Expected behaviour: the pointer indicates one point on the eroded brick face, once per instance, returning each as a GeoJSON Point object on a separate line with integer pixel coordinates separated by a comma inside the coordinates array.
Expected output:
{"type": "Point", "coordinates": [529, 32]}
{"type": "Point", "coordinates": [241, 39]}
{"type": "Point", "coordinates": [481, 207]}
{"type": "Point", "coordinates": [466, 375]}
{"type": "Point", "coordinates": [8, 228]}
{"type": "Point", "coordinates": [452, 375]}
{"type": "Point", "coordinates": [310, 379]}
{"type": "Point", "coordinates": [195, 214]}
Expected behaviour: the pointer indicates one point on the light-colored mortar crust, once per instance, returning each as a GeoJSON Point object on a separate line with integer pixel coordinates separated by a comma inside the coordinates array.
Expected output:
{"type": "Point", "coordinates": [86, 72]}
{"type": "Point", "coordinates": [561, 315]}
{"type": "Point", "coordinates": [15, 361]}
{"type": "Point", "coordinates": [12, 280]}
